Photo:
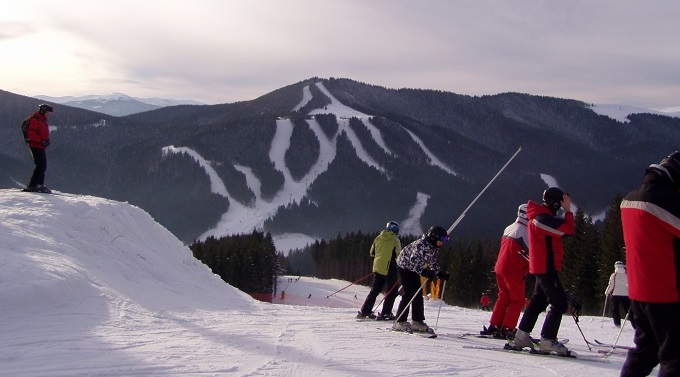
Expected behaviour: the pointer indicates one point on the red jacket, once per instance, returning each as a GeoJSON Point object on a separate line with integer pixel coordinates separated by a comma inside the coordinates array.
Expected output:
{"type": "Point", "coordinates": [38, 131]}
{"type": "Point", "coordinates": [545, 238]}
{"type": "Point", "coordinates": [651, 230]}
{"type": "Point", "coordinates": [485, 300]}
{"type": "Point", "coordinates": [510, 261]}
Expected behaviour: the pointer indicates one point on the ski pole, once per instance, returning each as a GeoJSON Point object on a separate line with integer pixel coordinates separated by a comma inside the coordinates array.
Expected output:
{"type": "Point", "coordinates": [481, 192]}
{"type": "Point", "coordinates": [441, 300]}
{"type": "Point", "coordinates": [581, 331]}
{"type": "Point", "coordinates": [349, 285]}
{"type": "Point", "coordinates": [618, 336]}
{"type": "Point", "coordinates": [386, 294]}
{"type": "Point", "coordinates": [576, 305]}
{"type": "Point", "coordinates": [604, 310]}
{"type": "Point", "coordinates": [422, 286]}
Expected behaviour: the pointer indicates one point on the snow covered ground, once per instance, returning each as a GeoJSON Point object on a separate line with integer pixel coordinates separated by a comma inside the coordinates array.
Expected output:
{"type": "Point", "coordinates": [93, 287]}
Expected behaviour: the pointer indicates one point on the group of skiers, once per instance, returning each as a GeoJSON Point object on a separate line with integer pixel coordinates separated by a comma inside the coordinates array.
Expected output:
{"type": "Point", "coordinates": [417, 259]}
{"type": "Point", "coordinates": [649, 293]}
{"type": "Point", "coordinates": [650, 217]}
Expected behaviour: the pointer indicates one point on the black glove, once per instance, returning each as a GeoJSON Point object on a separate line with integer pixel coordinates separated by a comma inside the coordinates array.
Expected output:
{"type": "Point", "coordinates": [443, 275]}
{"type": "Point", "coordinates": [428, 274]}
{"type": "Point", "coordinates": [46, 143]}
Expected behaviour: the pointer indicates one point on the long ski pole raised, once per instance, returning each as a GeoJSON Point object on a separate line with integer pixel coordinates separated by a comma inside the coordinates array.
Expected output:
{"type": "Point", "coordinates": [349, 285]}
{"type": "Point", "coordinates": [481, 192]}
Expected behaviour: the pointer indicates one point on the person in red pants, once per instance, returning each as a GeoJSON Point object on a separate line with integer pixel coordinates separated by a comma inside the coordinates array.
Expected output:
{"type": "Point", "coordinates": [512, 267]}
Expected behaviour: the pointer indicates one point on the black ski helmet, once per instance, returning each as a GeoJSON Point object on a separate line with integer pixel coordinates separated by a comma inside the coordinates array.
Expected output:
{"type": "Point", "coordinates": [552, 197]}
{"type": "Point", "coordinates": [43, 108]}
{"type": "Point", "coordinates": [436, 233]}
{"type": "Point", "coordinates": [393, 227]}
{"type": "Point", "coordinates": [672, 164]}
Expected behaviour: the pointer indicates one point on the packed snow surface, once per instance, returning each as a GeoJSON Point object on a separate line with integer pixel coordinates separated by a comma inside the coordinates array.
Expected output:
{"type": "Point", "coordinates": [94, 287]}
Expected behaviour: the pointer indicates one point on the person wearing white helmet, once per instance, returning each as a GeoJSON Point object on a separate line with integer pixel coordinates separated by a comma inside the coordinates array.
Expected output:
{"type": "Point", "coordinates": [512, 267]}
{"type": "Point", "coordinates": [617, 290]}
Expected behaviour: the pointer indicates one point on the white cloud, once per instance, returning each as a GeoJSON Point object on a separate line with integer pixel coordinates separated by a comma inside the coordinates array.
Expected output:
{"type": "Point", "coordinates": [215, 51]}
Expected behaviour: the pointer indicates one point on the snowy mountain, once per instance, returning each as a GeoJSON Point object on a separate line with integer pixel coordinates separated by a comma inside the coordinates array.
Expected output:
{"type": "Point", "coordinates": [95, 287]}
{"type": "Point", "coordinates": [621, 112]}
{"type": "Point", "coordinates": [116, 104]}
{"type": "Point", "coordinates": [323, 157]}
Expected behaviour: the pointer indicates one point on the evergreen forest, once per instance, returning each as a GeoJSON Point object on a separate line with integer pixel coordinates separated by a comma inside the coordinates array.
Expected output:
{"type": "Point", "coordinates": [251, 263]}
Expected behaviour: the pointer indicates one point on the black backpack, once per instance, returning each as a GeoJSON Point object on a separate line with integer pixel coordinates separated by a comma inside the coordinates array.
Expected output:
{"type": "Point", "coordinates": [24, 127]}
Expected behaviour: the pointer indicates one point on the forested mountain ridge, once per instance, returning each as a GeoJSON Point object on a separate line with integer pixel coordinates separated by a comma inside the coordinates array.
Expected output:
{"type": "Point", "coordinates": [411, 144]}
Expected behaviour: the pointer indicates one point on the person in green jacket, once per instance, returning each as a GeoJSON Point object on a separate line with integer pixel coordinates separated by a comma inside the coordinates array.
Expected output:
{"type": "Point", "coordinates": [384, 251]}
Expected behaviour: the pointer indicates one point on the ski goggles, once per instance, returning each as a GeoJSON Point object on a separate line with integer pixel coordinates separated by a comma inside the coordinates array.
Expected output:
{"type": "Point", "coordinates": [444, 239]}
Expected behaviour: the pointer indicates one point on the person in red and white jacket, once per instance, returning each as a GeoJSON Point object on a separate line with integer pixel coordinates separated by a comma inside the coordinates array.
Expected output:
{"type": "Point", "coordinates": [650, 216]}
{"type": "Point", "coordinates": [546, 231]}
{"type": "Point", "coordinates": [512, 267]}
{"type": "Point", "coordinates": [38, 140]}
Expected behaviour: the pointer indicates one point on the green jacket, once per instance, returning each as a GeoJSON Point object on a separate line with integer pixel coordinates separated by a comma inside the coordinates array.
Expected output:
{"type": "Point", "coordinates": [384, 250]}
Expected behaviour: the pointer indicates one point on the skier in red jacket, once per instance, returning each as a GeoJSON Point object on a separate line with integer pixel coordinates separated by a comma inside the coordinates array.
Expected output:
{"type": "Point", "coordinates": [38, 140]}
{"type": "Point", "coordinates": [650, 216]}
{"type": "Point", "coordinates": [485, 302]}
{"type": "Point", "coordinates": [546, 231]}
{"type": "Point", "coordinates": [512, 267]}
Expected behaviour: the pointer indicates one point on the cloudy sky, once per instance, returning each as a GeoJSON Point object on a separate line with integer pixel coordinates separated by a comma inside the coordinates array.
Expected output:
{"type": "Point", "coordinates": [220, 51]}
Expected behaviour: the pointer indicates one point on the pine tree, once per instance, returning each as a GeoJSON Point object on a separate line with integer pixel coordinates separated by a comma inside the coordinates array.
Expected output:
{"type": "Point", "coordinates": [579, 266]}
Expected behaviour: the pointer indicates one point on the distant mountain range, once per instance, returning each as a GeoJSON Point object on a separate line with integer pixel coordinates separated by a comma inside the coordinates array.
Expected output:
{"type": "Point", "coordinates": [323, 157]}
{"type": "Point", "coordinates": [116, 104]}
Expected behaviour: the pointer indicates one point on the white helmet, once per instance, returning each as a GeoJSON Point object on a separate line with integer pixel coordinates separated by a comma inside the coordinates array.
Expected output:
{"type": "Point", "coordinates": [619, 264]}
{"type": "Point", "coordinates": [522, 212]}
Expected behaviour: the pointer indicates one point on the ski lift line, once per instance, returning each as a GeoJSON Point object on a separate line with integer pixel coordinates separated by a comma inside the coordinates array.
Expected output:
{"type": "Point", "coordinates": [481, 192]}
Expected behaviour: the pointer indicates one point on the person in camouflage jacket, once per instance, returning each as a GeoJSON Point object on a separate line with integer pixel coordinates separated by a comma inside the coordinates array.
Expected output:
{"type": "Point", "coordinates": [417, 259]}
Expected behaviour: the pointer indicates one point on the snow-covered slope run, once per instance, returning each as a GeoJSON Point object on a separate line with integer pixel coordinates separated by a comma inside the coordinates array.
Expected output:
{"type": "Point", "coordinates": [93, 287]}
{"type": "Point", "coordinates": [243, 219]}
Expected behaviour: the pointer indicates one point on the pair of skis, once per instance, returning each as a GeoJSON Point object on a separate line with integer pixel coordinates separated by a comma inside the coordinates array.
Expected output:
{"type": "Point", "coordinates": [533, 351]}
{"type": "Point", "coordinates": [430, 334]}
{"type": "Point", "coordinates": [478, 335]}
{"type": "Point", "coordinates": [611, 348]}
{"type": "Point", "coordinates": [570, 355]}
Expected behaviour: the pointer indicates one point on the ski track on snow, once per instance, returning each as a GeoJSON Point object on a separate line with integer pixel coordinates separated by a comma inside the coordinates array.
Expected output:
{"type": "Point", "coordinates": [241, 218]}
